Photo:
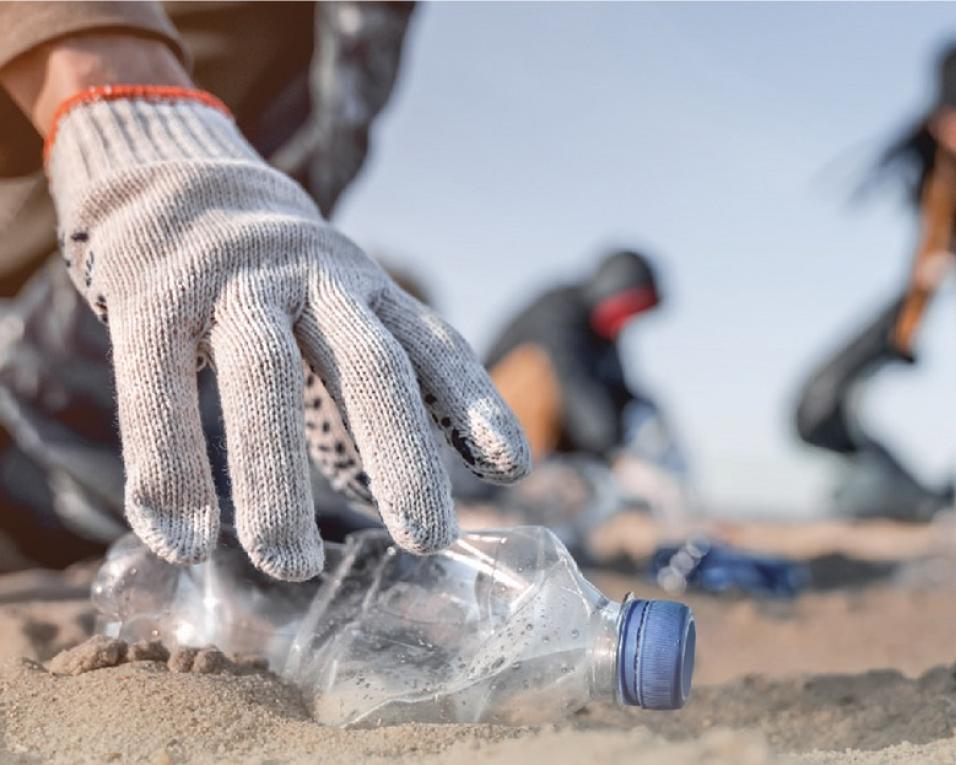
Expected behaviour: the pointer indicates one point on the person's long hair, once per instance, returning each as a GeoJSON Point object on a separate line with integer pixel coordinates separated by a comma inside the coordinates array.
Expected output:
{"type": "Point", "coordinates": [909, 158]}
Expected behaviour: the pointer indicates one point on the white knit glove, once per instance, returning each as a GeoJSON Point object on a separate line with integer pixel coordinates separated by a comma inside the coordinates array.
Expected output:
{"type": "Point", "coordinates": [188, 245]}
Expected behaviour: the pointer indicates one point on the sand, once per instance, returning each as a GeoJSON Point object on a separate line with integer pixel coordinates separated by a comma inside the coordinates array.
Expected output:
{"type": "Point", "coordinates": [847, 676]}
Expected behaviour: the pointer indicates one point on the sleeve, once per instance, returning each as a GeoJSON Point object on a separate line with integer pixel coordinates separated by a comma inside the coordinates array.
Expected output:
{"type": "Point", "coordinates": [590, 412]}
{"type": "Point", "coordinates": [592, 418]}
{"type": "Point", "coordinates": [26, 25]}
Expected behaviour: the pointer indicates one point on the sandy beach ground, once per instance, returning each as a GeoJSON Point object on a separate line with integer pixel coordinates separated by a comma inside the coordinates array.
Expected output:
{"type": "Point", "coordinates": [851, 675]}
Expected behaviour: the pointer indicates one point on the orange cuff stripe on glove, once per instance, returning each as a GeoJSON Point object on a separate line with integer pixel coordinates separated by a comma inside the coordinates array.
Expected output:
{"type": "Point", "coordinates": [117, 92]}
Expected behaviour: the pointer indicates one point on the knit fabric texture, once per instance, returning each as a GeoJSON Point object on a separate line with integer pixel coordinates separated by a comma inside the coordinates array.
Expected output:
{"type": "Point", "coordinates": [189, 246]}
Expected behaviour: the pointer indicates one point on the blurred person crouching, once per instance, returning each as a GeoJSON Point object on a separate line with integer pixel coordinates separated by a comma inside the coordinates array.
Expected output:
{"type": "Point", "coordinates": [558, 364]}
{"type": "Point", "coordinates": [875, 482]}
{"type": "Point", "coordinates": [599, 445]}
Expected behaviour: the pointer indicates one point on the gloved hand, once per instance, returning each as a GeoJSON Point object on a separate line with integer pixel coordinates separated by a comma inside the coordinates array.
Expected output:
{"type": "Point", "coordinates": [188, 245]}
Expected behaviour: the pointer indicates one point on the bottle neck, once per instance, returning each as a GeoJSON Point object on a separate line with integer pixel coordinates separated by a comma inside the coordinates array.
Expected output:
{"type": "Point", "coordinates": [605, 634]}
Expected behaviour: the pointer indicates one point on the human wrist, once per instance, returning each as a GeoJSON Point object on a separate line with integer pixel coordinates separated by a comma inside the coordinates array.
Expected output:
{"type": "Point", "coordinates": [47, 76]}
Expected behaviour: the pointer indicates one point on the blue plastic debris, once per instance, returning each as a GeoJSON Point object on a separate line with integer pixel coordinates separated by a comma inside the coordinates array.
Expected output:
{"type": "Point", "coordinates": [717, 568]}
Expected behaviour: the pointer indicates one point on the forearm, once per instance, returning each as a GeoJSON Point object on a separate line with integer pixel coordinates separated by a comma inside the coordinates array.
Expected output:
{"type": "Point", "coordinates": [937, 211]}
{"type": "Point", "coordinates": [43, 78]}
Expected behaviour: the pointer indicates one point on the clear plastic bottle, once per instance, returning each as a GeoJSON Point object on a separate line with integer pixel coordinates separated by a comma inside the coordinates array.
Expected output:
{"type": "Point", "coordinates": [501, 627]}
{"type": "Point", "coordinates": [223, 602]}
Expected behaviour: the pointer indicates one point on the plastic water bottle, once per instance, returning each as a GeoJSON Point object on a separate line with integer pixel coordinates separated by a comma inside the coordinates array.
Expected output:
{"type": "Point", "coordinates": [501, 627]}
{"type": "Point", "coordinates": [223, 602]}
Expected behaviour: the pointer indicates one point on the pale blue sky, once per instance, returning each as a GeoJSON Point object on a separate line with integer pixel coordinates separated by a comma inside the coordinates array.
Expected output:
{"type": "Point", "coordinates": [724, 139]}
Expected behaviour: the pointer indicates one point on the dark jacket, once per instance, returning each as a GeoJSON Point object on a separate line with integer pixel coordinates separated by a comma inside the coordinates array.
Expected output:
{"type": "Point", "coordinates": [590, 375]}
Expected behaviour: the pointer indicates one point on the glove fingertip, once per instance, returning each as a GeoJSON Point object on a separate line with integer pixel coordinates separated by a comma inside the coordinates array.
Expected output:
{"type": "Point", "coordinates": [180, 538]}
{"type": "Point", "coordinates": [296, 561]}
{"type": "Point", "coordinates": [494, 448]}
{"type": "Point", "coordinates": [422, 522]}
{"type": "Point", "coordinates": [425, 539]}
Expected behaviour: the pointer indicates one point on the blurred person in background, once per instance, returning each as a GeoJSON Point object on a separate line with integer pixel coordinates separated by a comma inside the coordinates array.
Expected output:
{"type": "Point", "coordinates": [115, 89]}
{"type": "Point", "coordinates": [558, 364]}
{"type": "Point", "coordinates": [876, 483]}
{"type": "Point", "coordinates": [600, 445]}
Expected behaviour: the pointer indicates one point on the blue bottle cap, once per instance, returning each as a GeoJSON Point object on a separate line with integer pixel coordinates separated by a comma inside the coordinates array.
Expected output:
{"type": "Point", "coordinates": [656, 653]}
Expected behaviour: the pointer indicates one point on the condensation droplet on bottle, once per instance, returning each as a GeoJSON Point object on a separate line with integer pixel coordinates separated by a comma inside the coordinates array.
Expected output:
{"type": "Point", "coordinates": [575, 634]}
